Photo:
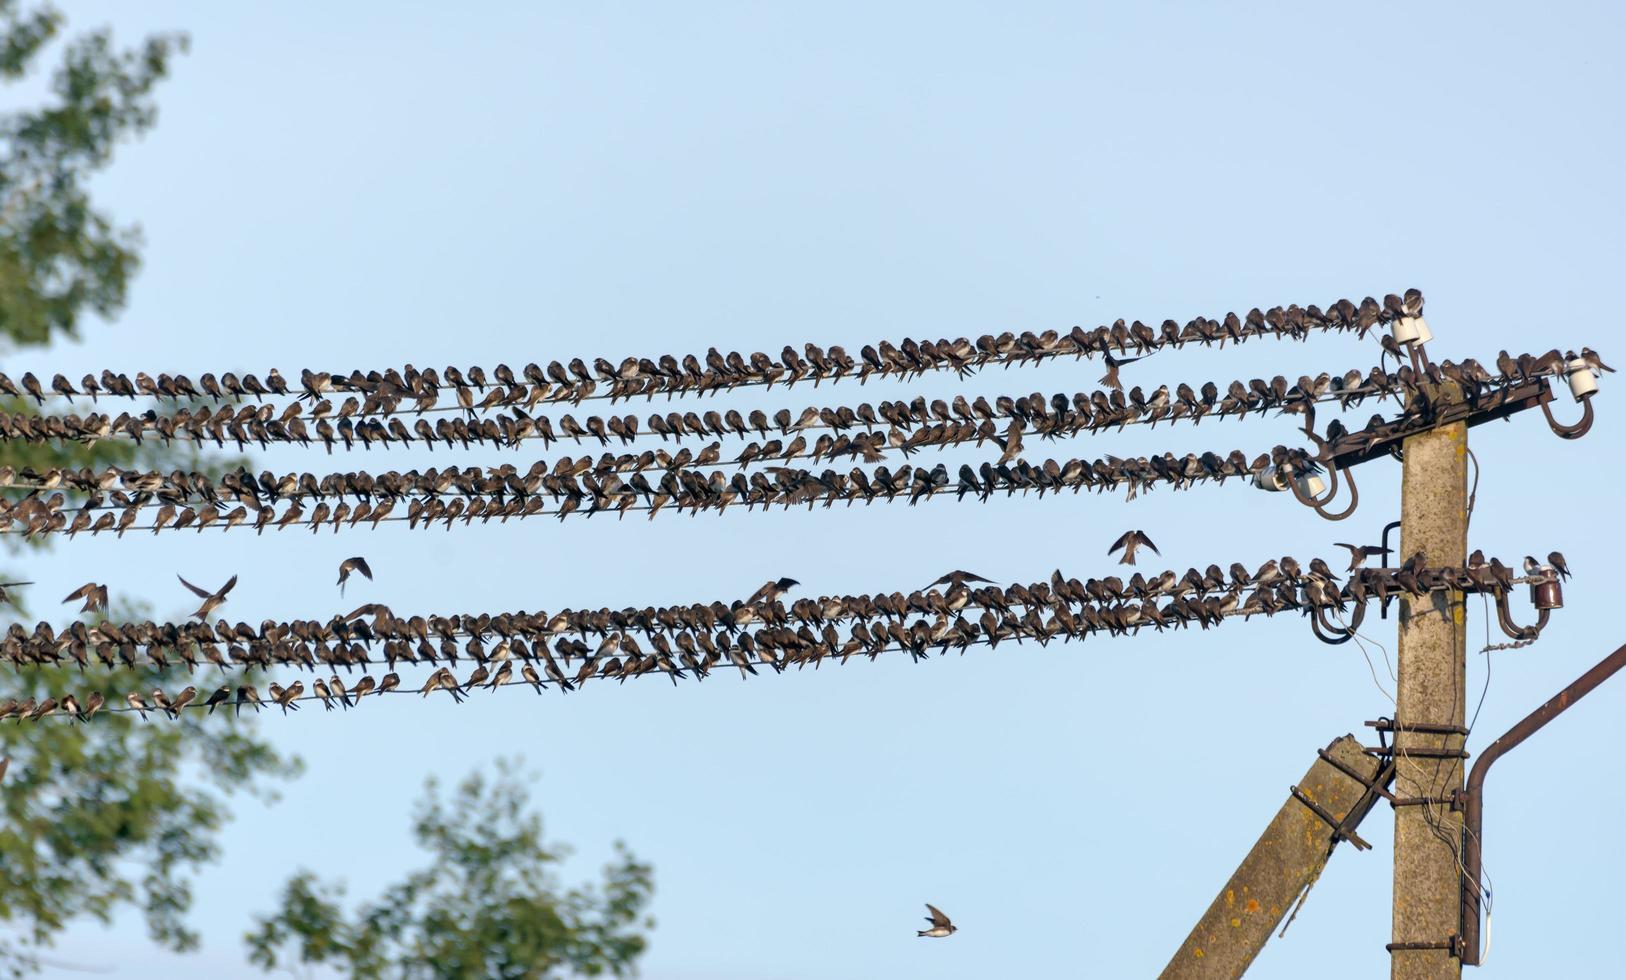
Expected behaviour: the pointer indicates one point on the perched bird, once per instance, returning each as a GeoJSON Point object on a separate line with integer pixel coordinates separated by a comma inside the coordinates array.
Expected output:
{"type": "Point", "coordinates": [211, 600]}
{"type": "Point", "coordinates": [772, 591]}
{"type": "Point", "coordinates": [1358, 554]}
{"type": "Point", "coordinates": [95, 597]}
{"type": "Point", "coordinates": [357, 564]}
{"type": "Point", "coordinates": [218, 698]}
{"type": "Point", "coordinates": [134, 700]}
{"type": "Point", "coordinates": [1556, 559]}
{"type": "Point", "coordinates": [6, 596]}
{"type": "Point", "coordinates": [1130, 542]}
{"type": "Point", "coordinates": [958, 578]}
{"type": "Point", "coordinates": [941, 926]}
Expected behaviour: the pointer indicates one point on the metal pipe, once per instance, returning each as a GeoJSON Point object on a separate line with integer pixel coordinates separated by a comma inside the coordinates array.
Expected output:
{"type": "Point", "coordinates": [1474, 802]}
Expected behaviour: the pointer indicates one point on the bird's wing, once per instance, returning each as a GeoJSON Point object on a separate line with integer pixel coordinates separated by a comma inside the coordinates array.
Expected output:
{"type": "Point", "coordinates": [1147, 542]}
{"type": "Point", "coordinates": [937, 918]}
{"type": "Point", "coordinates": [81, 592]}
{"type": "Point", "coordinates": [227, 587]}
{"type": "Point", "coordinates": [1352, 548]}
{"type": "Point", "coordinates": [1122, 541]}
{"type": "Point", "coordinates": [975, 578]}
{"type": "Point", "coordinates": [361, 566]}
{"type": "Point", "coordinates": [945, 580]}
{"type": "Point", "coordinates": [200, 593]}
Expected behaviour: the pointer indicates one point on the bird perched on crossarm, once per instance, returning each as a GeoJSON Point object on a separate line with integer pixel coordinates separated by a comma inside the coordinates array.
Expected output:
{"type": "Point", "coordinates": [940, 924]}
{"type": "Point", "coordinates": [1130, 542]}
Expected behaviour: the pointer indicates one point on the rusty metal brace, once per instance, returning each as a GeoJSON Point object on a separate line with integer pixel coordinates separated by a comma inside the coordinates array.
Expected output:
{"type": "Point", "coordinates": [1339, 831]}
{"type": "Point", "coordinates": [1451, 944]}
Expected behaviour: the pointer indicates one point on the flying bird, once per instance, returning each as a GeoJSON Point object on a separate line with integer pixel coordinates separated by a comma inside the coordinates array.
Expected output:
{"type": "Point", "coordinates": [1110, 379]}
{"type": "Point", "coordinates": [1130, 542]}
{"type": "Point", "coordinates": [357, 564]}
{"type": "Point", "coordinates": [95, 597]}
{"type": "Point", "coordinates": [959, 577]}
{"type": "Point", "coordinates": [941, 926]}
{"type": "Point", "coordinates": [211, 600]}
{"type": "Point", "coordinates": [6, 596]}
{"type": "Point", "coordinates": [1358, 554]}
{"type": "Point", "coordinates": [772, 591]}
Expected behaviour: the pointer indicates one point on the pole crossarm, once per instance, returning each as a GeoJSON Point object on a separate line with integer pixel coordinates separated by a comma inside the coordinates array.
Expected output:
{"type": "Point", "coordinates": [1326, 806]}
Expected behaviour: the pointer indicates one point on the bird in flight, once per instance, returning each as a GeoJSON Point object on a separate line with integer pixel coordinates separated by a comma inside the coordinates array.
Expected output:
{"type": "Point", "coordinates": [1110, 379]}
{"type": "Point", "coordinates": [960, 577]}
{"type": "Point", "coordinates": [1358, 554]}
{"type": "Point", "coordinates": [941, 926]}
{"type": "Point", "coordinates": [1130, 542]}
{"type": "Point", "coordinates": [356, 564]}
{"type": "Point", "coordinates": [6, 596]}
{"type": "Point", "coordinates": [211, 600]}
{"type": "Point", "coordinates": [772, 591]}
{"type": "Point", "coordinates": [95, 597]}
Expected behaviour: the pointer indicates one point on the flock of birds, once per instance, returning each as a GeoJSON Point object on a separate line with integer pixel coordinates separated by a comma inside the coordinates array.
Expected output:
{"type": "Point", "coordinates": [572, 647]}
{"type": "Point", "coordinates": [575, 381]}
{"type": "Point", "coordinates": [118, 500]}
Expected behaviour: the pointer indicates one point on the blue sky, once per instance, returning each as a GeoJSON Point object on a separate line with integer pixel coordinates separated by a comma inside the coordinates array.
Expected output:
{"type": "Point", "coordinates": [367, 184]}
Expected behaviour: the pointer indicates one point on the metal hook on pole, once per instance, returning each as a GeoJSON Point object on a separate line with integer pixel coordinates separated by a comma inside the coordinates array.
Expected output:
{"type": "Point", "coordinates": [1320, 506]}
{"type": "Point", "coordinates": [1331, 634]}
{"type": "Point", "coordinates": [1504, 619]}
{"type": "Point", "coordinates": [1575, 431]}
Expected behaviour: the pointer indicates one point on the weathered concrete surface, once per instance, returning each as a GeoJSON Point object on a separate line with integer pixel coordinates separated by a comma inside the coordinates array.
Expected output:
{"type": "Point", "coordinates": [1433, 650]}
{"type": "Point", "coordinates": [1287, 857]}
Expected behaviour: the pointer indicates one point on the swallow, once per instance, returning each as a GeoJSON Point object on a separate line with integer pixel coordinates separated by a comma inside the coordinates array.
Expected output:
{"type": "Point", "coordinates": [95, 597]}
{"type": "Point", "coordinates": [357, 564]}
{"type": "Point", "coordinates": [211, 600]}
{"type": "Point", "coordinates": [287, 697]}
{"type": "Point", "coordinates": [93, 704]}
{"type": "Point", "coordinates": [1130, 542]}
{"type": "Point", "coordinates": [772, 591]}
{"type": "Point", "coordinates": [1110, 379]}
{"type": "Point", "coordinates": [1358, 554]}
{"type": "Point", "coordinates": [1594, 361]}
{"type": "Point", "coordinates": [6, 596]}
{"type": "Point", "coordinates": [217, 699]}
{"type": "Point", "coordinates": [134, 700]}
{"type": "Point", "coordinates": [245, 695]}
{"type": "Point", "coordinates": [1556, 559]}
{"type": "Point", "coordinates": [391, 681]}
{"type": "Point", "coordinates": [940, 924]}
{"type": "Point", "coordinates": [320, 689]}
{"type": "Point", "coordinates": [180, 701]}
{"type": "Point", "coordinates": [958, 578]}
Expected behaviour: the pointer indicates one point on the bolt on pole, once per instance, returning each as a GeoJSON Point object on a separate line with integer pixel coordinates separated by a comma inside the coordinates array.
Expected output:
{"type": "Point", "coordinates": [1432, 692]}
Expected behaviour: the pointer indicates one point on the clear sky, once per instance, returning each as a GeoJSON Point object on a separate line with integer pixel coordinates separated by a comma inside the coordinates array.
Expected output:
{"type": "Point", "coordinates": [360, 185]}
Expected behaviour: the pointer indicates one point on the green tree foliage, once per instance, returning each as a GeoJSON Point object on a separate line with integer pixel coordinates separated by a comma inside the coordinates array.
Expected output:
{"type": "Point", "coordinates": [118, 812]}
{"type": "Point", "coordinates": [487, 905]}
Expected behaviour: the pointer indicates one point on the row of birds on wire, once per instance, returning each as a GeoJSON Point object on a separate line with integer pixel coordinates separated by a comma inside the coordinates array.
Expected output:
{"type": "Point", "coordinates": [672, 376]}
{"type": "Point", "coordinates": [180, 501]}
{"type": "Point", "coordinates": [958, 609]}
{"type": "Point", "coordinates": [1059, 415]}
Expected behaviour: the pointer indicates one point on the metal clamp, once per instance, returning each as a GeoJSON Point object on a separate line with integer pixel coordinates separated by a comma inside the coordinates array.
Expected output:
{"type": "Point", "coordinates": [1451, 944]}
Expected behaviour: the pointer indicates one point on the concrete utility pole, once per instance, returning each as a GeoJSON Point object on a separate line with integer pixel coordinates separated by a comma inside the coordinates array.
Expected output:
{"type": "Point", "coordinates": [1283, 863]}
{"type": "Point", "coordinates": [1430, 713]}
